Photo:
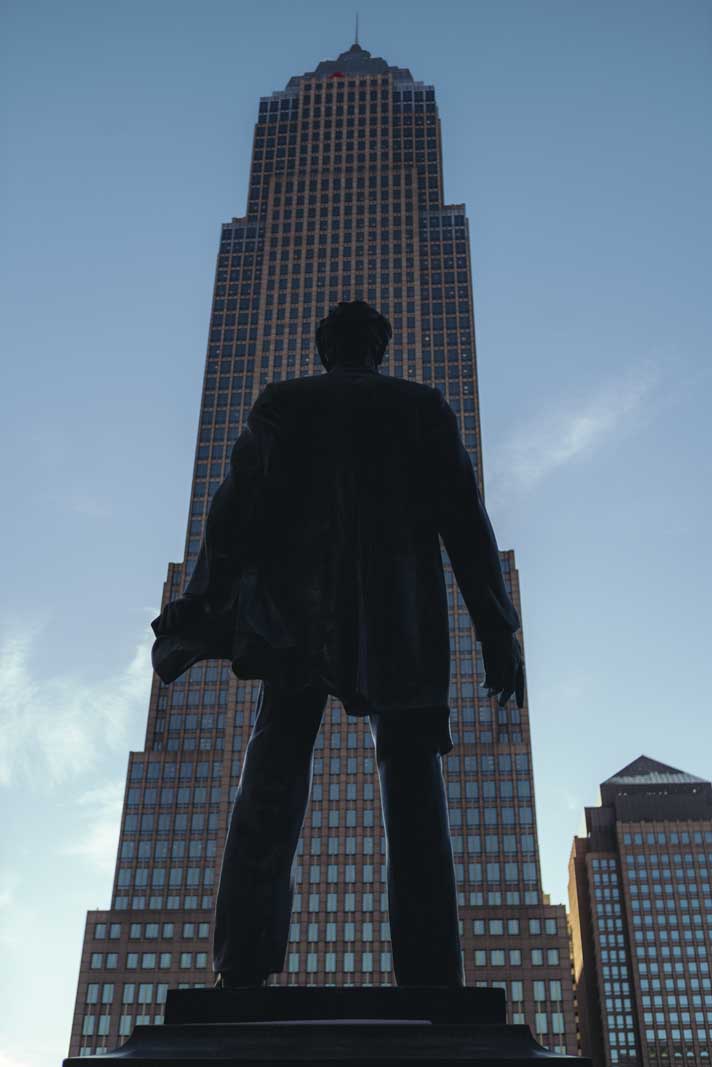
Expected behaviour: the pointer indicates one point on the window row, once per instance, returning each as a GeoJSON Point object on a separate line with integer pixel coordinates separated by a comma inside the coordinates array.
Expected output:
{"type": "Point", "coordinates": [366, 963]}
{"type": "Point", "coordinates": [673, 837]}
{"type": "Point", "coordinates": [498, 957]}
{"type": "Point", "coordinates": [158, 877]}
{"type": "Point", "coordinates": [164, 822]}
{"type": "Point", "coordinates": [132, 992]}
{"type": "Point", "coordinates": [348, 873]}
{"type": "Point", "coordinates": [157, 902]}
{"type": "Point", "coordinates": [350, 931]}
{"type": "Point", "coordinates": [178, 848]}
{"type": "Point", "coordinates": [498, 927]}
{"type": "Point", "coordinates": [149, 931]}
{"type": "Point", "coordinates": [148, 960]}
{"type": "Point", "coordinates": [496, 872]}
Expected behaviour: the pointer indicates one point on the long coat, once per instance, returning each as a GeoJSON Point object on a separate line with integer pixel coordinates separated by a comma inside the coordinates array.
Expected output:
{"type": "Point", "coordinates": [321, 561]}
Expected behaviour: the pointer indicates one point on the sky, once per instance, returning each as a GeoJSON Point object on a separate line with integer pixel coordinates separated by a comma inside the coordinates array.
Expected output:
{"type": "Point", "coordinates": [579, 136]}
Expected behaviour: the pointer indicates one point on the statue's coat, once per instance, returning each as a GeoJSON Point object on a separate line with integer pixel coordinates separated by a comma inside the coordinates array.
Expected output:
{"type": "Point", "coordinates": [322, 560]}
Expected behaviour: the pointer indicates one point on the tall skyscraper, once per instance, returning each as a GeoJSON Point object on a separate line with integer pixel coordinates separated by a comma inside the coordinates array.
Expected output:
{"type": "Point", "coordinates": [641, 915]}
{"type": "Point", "coordinates": [345, 202]}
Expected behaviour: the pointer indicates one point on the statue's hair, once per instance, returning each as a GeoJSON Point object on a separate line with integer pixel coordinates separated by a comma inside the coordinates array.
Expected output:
{"type": "Point", "coordinates": [351, 332]}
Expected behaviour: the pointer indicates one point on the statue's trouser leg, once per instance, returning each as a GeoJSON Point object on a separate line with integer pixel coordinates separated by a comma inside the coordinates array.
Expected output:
{"type": "Point", "coordinates": [255, 894]}
{"type": "Point", "coordinates": [422, 897]}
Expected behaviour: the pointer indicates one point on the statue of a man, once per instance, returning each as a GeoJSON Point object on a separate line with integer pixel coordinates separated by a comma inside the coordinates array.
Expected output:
{"type": "Point", "coordinates": [321, 573]}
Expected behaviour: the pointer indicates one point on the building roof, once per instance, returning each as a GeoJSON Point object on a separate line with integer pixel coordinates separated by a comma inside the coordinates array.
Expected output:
{"type": "Point", "coordinates": [646, 771]}
{"type": "Point", "coordinates": [355, 60]}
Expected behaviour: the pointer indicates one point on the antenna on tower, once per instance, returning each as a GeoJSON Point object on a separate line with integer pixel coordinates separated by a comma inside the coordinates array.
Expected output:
{"type": "Point", "coordinates": [356, 27]}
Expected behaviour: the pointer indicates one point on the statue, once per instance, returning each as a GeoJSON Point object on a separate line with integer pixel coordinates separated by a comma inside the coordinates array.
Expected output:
{"type": "Point", "coordinates": [321, 573]}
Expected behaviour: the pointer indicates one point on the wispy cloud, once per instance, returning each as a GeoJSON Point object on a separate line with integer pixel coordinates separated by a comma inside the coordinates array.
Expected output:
{"type": "Point", "coordinates": [99, 813]}
{"type": "Point", "coordinates": [571, 431]}
{"type": "Point", "coordinates": [10, 929]}
{"type": "Point", "coordinates": [89, 504]}
{"type": "Point", "coordinates": [80, 502]}
{"type": "Point", "coordinates": [52, 729]}
{"type": "Point", "coordinates": [8, 1059]}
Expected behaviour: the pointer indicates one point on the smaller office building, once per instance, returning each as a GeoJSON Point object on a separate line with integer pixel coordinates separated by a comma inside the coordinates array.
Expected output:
{"type": "Point", "coordinates": [640, 901]}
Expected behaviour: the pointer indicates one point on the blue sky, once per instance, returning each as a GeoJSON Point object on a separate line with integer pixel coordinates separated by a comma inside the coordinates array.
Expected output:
{"type": "Point", "coordinates": [579, 137]}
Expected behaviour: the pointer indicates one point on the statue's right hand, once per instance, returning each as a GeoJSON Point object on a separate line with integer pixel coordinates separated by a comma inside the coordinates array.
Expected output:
{"type": "Point", "coordinates": [184, 611]}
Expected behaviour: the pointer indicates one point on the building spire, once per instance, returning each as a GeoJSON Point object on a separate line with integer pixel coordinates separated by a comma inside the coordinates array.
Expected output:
{"type": "Point", "coordinates": [356, 41]}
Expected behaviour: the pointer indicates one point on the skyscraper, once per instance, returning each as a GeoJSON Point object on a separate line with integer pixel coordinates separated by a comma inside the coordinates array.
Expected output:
{"type": "Point", "coordinates": [345, 202]}
{"type": "Point", "coordinates": [641, 913]}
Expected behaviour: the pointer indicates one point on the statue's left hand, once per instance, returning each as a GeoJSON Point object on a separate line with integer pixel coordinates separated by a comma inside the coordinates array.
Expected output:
{"type": "Point", "coordinates": [504, 669]}
{"type": "Point", "coordinates": [185, 611]}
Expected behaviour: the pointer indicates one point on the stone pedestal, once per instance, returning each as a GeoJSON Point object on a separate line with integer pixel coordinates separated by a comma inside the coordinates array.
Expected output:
{"type": "Point", "coordinates": [358, 1027]}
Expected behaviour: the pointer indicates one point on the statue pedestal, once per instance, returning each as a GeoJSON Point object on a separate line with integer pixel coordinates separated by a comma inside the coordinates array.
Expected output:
{"type": "Point", "coordinates": [360, 1027]}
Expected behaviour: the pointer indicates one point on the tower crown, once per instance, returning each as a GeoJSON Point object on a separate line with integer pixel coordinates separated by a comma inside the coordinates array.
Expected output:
{"type": "Point", "coordinates": [355, 60]}
{"type": "Point", "coordinates": [645, 771]}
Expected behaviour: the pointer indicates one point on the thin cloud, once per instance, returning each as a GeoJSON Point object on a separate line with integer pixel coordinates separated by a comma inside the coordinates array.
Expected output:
{"type": "Point", "coordinates": [555, 438]}
{"type": "Point", "coordinates": [8, 1059]}
{"type": "Point", "coordinates": [52, 729]}
{"type": "Point", "coordinates": [94, 507]}
{"type": "Point", "coordinates": [98, 817]}
{"type": "Point", "coordinates": [80, 502]}
{"type": "Point", "coordinates": [10, 928]}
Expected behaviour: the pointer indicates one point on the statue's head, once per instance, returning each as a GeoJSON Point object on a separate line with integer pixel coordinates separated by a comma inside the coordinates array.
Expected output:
{"type": "Point", "coordinates": [353, 334]}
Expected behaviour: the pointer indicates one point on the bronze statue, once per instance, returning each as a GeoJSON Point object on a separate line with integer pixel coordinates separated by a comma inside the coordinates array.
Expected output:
{"type": "Point", "coordinates": [321, 573]}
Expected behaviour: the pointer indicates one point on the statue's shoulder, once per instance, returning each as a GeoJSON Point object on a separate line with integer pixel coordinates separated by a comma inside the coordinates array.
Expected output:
{"type": "Point", "coordinates": [293, 386]}
{"type": "Point", "coordinates": [418, 389]}
{"type": "Point", "coordinates": [312, 385]}
{"type": "Point", "coordinates": [416, 392]}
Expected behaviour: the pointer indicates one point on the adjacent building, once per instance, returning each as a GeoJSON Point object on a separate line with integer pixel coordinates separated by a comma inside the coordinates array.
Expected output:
{"type": "Point", "coordinates": [640, 898]}
{"type": "Point", "coordinates": [346, 201]}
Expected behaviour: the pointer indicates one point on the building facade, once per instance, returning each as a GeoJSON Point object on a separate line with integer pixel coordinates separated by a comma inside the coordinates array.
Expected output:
{"type": "Point", "coordinates": [641, 919]}
{"type": "Point", "coordinates": [345, 202]}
